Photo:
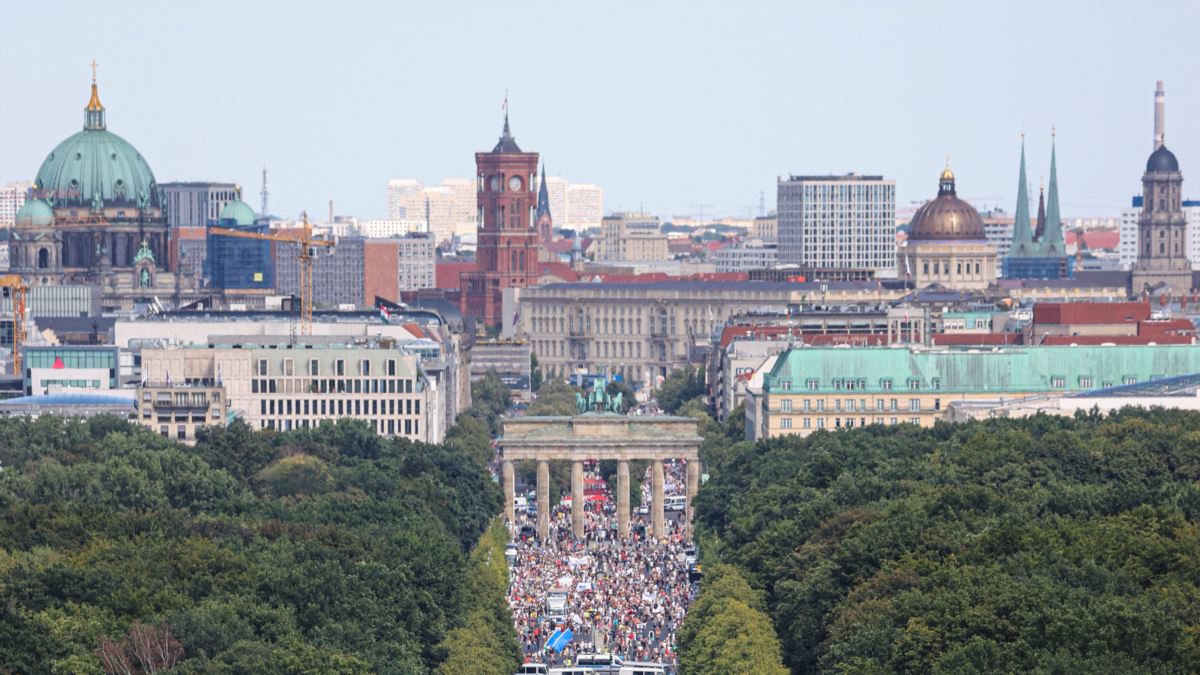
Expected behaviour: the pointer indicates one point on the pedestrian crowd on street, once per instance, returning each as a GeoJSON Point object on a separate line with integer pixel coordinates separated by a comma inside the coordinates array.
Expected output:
{"type": "Point", "coordinates": [625, 596]}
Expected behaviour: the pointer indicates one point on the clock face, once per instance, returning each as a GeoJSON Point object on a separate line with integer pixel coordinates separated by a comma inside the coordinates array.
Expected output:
{"type": "Point", "coordinates": [514, 184]}
{"type": "Point", "coordinates": [495, 183]}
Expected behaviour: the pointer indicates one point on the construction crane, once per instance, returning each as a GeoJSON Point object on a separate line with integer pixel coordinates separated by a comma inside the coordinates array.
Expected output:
{"type": "Point", "coordinates": [307, 254]}
{"type": "Point", "coordinates": [15, 289]}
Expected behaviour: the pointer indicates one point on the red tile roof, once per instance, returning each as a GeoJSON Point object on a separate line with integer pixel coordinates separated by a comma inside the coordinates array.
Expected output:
{"type": "Point", "coordinates": [1090, 312]}
{"type": "Point", "coordinates": [1097, 239]}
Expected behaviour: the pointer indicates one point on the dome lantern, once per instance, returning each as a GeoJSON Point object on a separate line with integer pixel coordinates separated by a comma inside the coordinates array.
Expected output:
{"type": "Point", "coordinates": [93, 114]}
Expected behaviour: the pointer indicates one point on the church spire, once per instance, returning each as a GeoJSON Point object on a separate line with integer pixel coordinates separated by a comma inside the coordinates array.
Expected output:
{"type": "Point", "coordinates": [1022, 235]}
{"type": "Point", "coordinates": [93, 114]}
{"type": "Point", "coordinates": [1040, 229]}
{"type": "Point", "coordinates": [1053, 240]}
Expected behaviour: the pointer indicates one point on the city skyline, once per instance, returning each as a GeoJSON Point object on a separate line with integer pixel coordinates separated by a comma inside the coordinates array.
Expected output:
{"type": "Point", "coordinates": [715, 125]}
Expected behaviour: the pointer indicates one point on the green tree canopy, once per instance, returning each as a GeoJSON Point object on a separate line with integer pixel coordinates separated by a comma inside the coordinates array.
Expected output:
{"type": "Point", "coordinates": [1045, 544]}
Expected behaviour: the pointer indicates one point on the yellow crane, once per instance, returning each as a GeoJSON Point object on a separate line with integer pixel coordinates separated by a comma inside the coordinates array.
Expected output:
{"type": "Point", "coordinates": [15, 289]}
{"type": "Point", "coordinates": [307, 246]}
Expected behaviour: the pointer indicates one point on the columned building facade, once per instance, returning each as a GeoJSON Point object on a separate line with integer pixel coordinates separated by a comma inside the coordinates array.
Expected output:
{"type": "Point", "coordinates": [947, 244]}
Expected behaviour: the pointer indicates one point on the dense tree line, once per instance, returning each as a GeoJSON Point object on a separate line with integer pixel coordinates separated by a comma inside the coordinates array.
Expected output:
{"type": "Point", "coordinates": [1045, 545]}
{"type": "Point", "coordinates": [327, 550]}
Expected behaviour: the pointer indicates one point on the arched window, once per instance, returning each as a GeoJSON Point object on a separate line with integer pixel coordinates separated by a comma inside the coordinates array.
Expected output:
{"type": "Point", "coordinates": [43, 258]}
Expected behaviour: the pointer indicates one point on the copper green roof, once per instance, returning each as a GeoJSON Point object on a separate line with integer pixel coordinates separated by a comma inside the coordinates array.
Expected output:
{"type": "Point", "coordinates": [95, 168]}
{"type": "Point", "coordinates": [35, 213]}
{"type": "Point", "coordinates": [237, 211]}
{"type": "Point", "coordinates": [896, 371]}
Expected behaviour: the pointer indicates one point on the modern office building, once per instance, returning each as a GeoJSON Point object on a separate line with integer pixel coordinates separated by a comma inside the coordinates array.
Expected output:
{"type": "Point", "coordinates": [286, 386]}
{"type": "Point", "coordinates": [631, 237]}
{"type": "Point", "coordinates": [358, 270]}
{"type": "Point", "coordinates": [838, 222]}
{"type": "Point", "coordinates": [814, 388]}
{"type": "Point", "coordinates": [754, 254]}
{"type": "Point", "coordinates": [197, 204]}
{"type": "Point", "coordinates": [70, 368]}
{"type": "Point", "coordinates": [236, 266]}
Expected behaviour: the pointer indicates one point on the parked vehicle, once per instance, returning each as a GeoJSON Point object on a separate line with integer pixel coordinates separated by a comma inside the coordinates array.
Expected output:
{"type": "Point", "coordinates": [532, 669]}
{"type": "Point", "coordinates": [675, 503]}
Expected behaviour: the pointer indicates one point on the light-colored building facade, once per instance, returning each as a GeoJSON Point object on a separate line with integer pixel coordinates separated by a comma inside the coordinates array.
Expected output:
{"type": "Point", "coordinates": [384, 228]}
{"type": "Point", "coordinates": [766, 228]}
{"type": "Point", "coordinates": [644, 330]}
{"type": "Point", "coordinates": [287, 387]}
{"type": "Point", "coordinates": [743, 257]}
{"type": "Point", "coordinates": [838, 222]}
{"type": "Point", "coordinates": [449, 209]}
{"type": "Point", "coordinates": [178, 410]}
{"type": "Point", "coordinates": [576, 206]}
{"type": "Point", "coordinates": [585, 206]}
{"type": "Point", "coordinates": [813, 388]}
{"type": "Point", "coordinates": [12, 198]}
{"type": "Point", "coordinates": [631, 237]}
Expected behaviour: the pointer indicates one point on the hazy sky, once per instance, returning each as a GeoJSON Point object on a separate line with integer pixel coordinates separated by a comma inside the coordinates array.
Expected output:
{"type": "Point", "coordinates": [667, 104]}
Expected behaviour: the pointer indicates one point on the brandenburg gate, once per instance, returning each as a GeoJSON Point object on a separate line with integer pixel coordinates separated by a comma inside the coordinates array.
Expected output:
{"type": "Point", "coordinates": [600, 436]}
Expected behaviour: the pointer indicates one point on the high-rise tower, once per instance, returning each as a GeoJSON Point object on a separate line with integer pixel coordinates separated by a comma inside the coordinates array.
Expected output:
{"type": "Point", "coordinates": [1162, 264]}
{"type": "Point", "coordinates": [507, 250]}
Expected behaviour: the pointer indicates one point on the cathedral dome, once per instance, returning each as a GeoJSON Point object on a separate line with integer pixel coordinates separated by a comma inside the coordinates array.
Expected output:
{"type": "Point", "coordinates": [35, 213]}
{"type": "Point", "coordinates": [238, 212]}
{"type": "Point", "coordinates": [947, 217]}
{"type": "Point", "coordinates": [96, 167]}
{"type": "Point", "coordinates": [1162, 160]}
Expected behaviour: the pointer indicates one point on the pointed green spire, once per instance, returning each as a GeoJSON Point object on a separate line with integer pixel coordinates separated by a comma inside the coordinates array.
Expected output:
{"type": "Point", "coordinates": [1022, 234]}
{"type": "Point", "coordinates": [1055, 246]}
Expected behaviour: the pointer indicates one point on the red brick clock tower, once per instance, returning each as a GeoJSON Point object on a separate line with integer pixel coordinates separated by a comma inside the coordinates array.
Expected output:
{"type": "Point", "coordinates": [507, 249]}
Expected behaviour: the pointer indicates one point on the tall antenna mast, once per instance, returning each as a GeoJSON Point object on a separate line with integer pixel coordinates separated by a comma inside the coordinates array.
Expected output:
{"type": "Point", "coordinates": [762, 203]}
{"type": "Point", "coordinates": [266, 211]}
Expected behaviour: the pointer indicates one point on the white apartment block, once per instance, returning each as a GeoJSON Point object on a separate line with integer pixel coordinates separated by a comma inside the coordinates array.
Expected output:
{"type": "Point", "coordinates": [449, 209]}
{"type": "Point", "coordinates": [1128, 246]}
{"type": "Point", "coordinates": [12, 198]}
{"type": "Point", "coordinates": [383, 229]}
{"type": "Point", "coordinates": [574, 206]}
{"type": "Point", "coordinates": [585, 206]}
{"type": "Point", "coordinates": [838, 222]}
{"type": "Point", "coordinates": [415, 262]}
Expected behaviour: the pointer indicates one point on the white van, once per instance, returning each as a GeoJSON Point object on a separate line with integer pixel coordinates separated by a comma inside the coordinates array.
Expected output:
{"type": "Point", "coordinates": [556, 604]}
{"type": "Point", "coordinates": [675, 503]}
{"type": "Point", "coordinates": [642, 669]}
{"type": "Point", "coordinates": [532, 669]}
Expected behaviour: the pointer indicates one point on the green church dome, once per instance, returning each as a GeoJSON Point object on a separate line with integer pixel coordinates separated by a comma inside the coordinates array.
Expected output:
{"type": "Point", "coordinates": [35, 213]}
{"type": "Point", "coordinates": [237, 211]}
{"type": "Point", "coordinates": [96, 168]}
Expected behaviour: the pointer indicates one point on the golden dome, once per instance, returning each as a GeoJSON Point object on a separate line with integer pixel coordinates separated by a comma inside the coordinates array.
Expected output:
{"type": "Point", "coordinates": [947, 217]}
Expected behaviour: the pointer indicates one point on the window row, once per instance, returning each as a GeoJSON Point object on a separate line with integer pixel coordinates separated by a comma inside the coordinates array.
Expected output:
{"type": "Point", "coordinates": [339, 407]}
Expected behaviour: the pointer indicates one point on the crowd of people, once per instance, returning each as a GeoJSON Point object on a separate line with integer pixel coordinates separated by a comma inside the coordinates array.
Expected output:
{"type": "Point", "coordinates": [625, 596]}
